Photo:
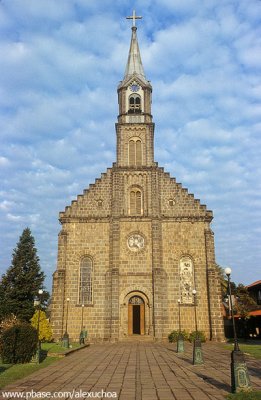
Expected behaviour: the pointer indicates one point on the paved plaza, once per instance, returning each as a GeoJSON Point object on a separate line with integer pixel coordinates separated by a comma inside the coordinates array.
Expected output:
{"type": "Point", "coordinates": [139, 371]}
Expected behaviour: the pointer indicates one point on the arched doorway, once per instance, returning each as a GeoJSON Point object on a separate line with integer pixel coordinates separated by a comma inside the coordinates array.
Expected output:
{"type": "Point", "coordinates": [136, 316]}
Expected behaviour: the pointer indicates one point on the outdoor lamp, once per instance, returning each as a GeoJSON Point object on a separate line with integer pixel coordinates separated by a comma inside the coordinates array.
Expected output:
{"type": "Point", "coordinates": [180, 342]}
{"type": "Point", "coordinates": [239, 373]}
{"type": "Point", "coordinates": [197, 351]}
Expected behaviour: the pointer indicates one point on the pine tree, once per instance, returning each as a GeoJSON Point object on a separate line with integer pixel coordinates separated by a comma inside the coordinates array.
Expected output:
{"type": "Point", "coordinates": [245, 303]}
{"type": "Point", "coordinates": [23, 279]}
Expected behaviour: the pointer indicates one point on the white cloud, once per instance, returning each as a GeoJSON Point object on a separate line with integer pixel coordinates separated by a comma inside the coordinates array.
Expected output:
{"type": "Point", "coordinates": [58, 104]}
{"type": "Point", "coordinates": [14, 218]}
{"type": "Point", "coordinates": [4, 161]}
{"type": "Point", "coordinates": [6, 205]}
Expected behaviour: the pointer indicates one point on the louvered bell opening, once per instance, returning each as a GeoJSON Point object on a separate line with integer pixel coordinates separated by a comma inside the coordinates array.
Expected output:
{"type": "Point", "coordinates": [131, 152]}
{"type": "Point", "coordinates": [138, 203]}
{"type": "Point", "coordinates": [132, 203]}
{"type": "Point", "coordinates": [138, 153]}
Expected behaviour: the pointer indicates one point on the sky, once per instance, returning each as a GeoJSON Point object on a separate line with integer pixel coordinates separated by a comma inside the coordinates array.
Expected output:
{"type": "Point", "coordinates": [61, 62]}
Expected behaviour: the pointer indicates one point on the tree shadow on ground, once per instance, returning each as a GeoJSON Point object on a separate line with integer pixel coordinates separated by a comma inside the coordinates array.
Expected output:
{"type": "Point", "coordinates": [254, 371]}
{"type": "Point", "coordinates": [180, 356]}
{"type": "Point", "coordinates": [214, 382]}
{"type": "Point", "coordinates": [3, 368]}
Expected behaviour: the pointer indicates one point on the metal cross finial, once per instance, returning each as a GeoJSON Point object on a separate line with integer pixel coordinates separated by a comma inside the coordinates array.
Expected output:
{"type": "Point", "coordinates": [133, 17]}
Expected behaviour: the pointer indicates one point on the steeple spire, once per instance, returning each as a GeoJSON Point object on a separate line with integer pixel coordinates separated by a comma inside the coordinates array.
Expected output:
{"type": "Point", "coordinates": [134, 63]}
{"type": "Point", "coordinates": [134, 92]}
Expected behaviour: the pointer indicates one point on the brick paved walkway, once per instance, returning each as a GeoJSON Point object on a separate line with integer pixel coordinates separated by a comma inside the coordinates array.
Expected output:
{"type": "Point", "coordinates": [140, 371]}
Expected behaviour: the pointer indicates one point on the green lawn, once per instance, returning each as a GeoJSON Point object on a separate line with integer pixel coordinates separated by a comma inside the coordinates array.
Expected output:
{"type": "Point", "coordinates": [251, 349]}
{"type": "Point", "coordinates": [10, 373]}
{"type": "Point", "coordinates": [245, 396]}
{"type": "Point", "coordinates": [57, 348]}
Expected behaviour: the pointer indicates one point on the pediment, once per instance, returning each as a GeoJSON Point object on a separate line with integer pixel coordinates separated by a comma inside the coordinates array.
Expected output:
{"type": "Point", "coordinates": [134, 78]}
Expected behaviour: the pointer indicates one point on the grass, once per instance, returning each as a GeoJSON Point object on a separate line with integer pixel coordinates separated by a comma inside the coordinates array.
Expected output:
{"type": "Point", "coordinates": [9, 373]}
{"type": "Point", "coordinates": [250, 349]}
{"type": "Point", "coordinates": [256, 395]}
{"type": "Point", "coordinates": [57, 347]}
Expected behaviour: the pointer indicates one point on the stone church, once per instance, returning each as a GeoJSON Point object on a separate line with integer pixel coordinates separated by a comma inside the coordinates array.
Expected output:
{"type": "Point", "coordinates": [135, 244]}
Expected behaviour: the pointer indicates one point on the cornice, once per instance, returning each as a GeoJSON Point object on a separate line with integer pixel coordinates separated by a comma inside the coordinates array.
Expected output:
{"type": "Point", "coordinates": [163, 218]}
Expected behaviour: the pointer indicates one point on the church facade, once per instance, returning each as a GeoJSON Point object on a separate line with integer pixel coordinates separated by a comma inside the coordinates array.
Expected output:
{"type": "Point", "coordinates": [135, 244]}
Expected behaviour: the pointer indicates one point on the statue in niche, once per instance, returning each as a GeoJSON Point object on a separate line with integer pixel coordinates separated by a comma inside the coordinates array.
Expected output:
{"type": "Point", "coordinates": [186, 280]}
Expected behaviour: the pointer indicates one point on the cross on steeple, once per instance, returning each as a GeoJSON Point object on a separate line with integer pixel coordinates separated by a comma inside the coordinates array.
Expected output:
{"type": "Point", "coordinates": [133, 17]}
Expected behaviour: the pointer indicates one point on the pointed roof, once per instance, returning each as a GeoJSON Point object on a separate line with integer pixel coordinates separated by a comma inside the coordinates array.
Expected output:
{"type": "Point", "coordinates": [134, 64]}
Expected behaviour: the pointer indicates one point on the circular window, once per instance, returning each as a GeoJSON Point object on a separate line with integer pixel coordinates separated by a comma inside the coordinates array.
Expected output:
{"type": "Point", "coordinates": [171, 202]}
{"type": "Point", "coordinates": [135, 242]}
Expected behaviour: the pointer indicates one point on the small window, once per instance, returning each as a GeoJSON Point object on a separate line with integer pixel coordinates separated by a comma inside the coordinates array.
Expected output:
{"type": "Point", "coordinates": [171, 202]}
{"type": "Point", "coordinates": [99, 203]}
{"type": "Point", "coordinates": [134, 104]}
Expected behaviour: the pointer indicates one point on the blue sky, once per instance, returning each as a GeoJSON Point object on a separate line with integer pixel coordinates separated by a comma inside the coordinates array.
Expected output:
{"type": "Point", "coordinates": [60, 65]}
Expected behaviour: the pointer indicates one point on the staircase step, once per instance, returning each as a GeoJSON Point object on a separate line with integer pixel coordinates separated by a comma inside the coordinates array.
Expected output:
{"type": "Point", "coordinates": [137, 338]}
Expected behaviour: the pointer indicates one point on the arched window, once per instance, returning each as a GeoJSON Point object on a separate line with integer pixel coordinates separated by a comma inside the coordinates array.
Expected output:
{"type": "Point", "coordinates": [186, 276]}
{"type": "Point", "coordinates": [135, 151]}
{"type": "Point", "coordinates": [135, 202]}
{"type": "Point", "coordinates": [134, 104]}
{"type": "Point", "coordinates": [85, 281]}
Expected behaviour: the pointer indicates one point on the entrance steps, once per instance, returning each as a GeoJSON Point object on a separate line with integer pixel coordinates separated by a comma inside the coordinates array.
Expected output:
{"type": "Point", "coordinates": [137, 338]}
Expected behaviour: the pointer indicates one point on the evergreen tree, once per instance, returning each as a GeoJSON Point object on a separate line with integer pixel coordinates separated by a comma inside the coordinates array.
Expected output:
{"type": "Point", "coordinates": [23, 279]}
{"type": "Point", "coordinates": [45, 330]}
{"type": "Point", "coordinates": [2, 303]}
{"type": "Point", "coordinates": [245, 303]}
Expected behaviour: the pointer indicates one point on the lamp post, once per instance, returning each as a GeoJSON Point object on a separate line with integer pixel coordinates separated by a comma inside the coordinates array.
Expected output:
{"type": "Point", "coordinates": [37, 303]}
{"type": "Point", "coordinates": [81, 337]}
{"type": "Point", "coordinates": [239, 374]}
{"type": "Point", "coordinates": [180, 342]}
{"type": "Point", "coordinates": [66, 335]}
{"type": "Point", "coordinates": [197, 350]}
{"type": "Point", "coordinates": [82, 317]}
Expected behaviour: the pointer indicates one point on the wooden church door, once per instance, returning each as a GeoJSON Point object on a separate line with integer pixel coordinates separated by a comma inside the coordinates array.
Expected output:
{"type": "Point", "coordinates": [136, 316]}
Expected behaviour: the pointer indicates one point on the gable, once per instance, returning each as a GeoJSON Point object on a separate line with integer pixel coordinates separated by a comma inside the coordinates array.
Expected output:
{"type": "Point", "coordinates": [134, 78]}
{"type": "Point", "coordinates": [95, 202]}
{"type": "Point", "coordinates": [178, 203]}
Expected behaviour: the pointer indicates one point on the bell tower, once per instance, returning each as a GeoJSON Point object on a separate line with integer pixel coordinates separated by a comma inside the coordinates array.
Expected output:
{"type": "Point", "coordinates": [135, 129]}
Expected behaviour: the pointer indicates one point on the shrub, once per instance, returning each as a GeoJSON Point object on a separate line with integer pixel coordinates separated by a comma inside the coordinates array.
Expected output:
{"type": "Point", "coordinates": [45, 330]}
{"type": "Point", "coordinates": [173, 336]}
{"type": "Point", "coordinates": [8, 322]}
{"type": "Point", "coordinates": [18, 344]}
{"type": "Point", "coordinates": [200, 334]}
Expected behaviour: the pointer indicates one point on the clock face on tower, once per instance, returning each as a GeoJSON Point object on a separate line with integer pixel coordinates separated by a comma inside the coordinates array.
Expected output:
{"type": "Point", "coordinates": [134, 87]}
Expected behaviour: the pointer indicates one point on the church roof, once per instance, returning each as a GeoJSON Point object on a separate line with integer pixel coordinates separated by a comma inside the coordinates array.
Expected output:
{"type": "Point", "coordinates": [134, 65]}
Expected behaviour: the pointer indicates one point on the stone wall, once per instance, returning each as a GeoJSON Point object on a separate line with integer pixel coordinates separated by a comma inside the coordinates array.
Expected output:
{"type": "Point", "coordinates": [136, 255]}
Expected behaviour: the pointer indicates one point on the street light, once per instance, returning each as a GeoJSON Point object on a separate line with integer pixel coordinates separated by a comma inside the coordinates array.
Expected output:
{"type": "Point", "coordinates": [239, 374]}
{"type": "Point", "coordinates": [83, 333]}
{"type": "Point", "coordinates": [66, 335]}
{"type": "Point", "coordinates": [180, 342]}
{"type": "Point", "coordinates": [197, 350]}
{"type": "Point", "coordinates": [81, 337]}
{"type": "Point", "coordinates": [37, 303]}
{"type": "Point", "coordinates": [82, 317]}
